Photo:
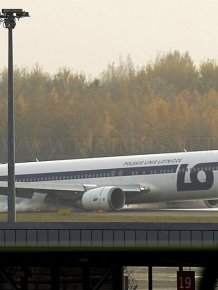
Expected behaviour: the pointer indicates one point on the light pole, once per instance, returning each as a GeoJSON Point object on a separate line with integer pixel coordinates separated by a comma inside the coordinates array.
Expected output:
{"type": "Point", "coordinates": [9, 16]}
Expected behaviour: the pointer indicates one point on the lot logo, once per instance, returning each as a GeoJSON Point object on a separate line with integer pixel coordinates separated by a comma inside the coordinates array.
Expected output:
{"type": "Point", "coordinates": [195, 183]}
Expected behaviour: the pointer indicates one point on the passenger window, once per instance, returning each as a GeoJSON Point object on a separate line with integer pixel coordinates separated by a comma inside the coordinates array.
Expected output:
{"type": "Point", "coordinates": [120, 172]}
{"type": "Point", "coordinates": [113, 173]}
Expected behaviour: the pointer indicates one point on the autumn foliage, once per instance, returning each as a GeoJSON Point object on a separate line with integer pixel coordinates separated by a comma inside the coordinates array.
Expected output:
{"type": "Point", "coordinates": [166, 106]}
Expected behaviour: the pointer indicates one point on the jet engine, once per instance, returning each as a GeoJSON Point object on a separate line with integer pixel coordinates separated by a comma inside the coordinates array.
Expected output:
{"type": "Point", "coordinates": [212, 203]}
{"type": "Point", "coordinates": [107, 198]}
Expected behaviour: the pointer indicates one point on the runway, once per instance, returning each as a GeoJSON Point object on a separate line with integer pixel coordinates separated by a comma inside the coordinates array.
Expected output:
{"type": "Point", "coordinates": [194, 213]}
{"type": "Point", "coordinates": [173, 212]}
{"type": "Point", "coordinates": [164, 278]}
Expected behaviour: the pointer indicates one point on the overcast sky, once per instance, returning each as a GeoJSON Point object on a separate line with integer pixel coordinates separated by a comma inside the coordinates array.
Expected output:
{"type": "Point", "coordinates": [86, 35]}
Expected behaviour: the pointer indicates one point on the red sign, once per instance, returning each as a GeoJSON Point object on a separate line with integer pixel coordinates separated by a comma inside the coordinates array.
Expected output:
{"type": "Point", "coordinates": [185, 280]}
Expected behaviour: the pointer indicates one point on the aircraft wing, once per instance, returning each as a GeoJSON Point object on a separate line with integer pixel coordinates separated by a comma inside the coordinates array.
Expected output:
{"type": "Point", "coordinates": [27, 189]}
{"type": "Point", "coordinates": [65, 192]}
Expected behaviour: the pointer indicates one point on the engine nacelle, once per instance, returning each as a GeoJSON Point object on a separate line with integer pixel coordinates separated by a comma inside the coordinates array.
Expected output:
{"type": "Point", "coordinates": [212, 203]}
{"type": "Point", "coordinates": [107, 198]}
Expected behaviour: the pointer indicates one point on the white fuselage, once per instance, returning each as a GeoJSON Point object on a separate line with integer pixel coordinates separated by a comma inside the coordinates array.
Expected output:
{"type": "Point", "coordinates": [170, 176]}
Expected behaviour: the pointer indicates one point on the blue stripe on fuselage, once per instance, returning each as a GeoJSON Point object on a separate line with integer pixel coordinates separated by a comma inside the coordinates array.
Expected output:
{"type": "Point", "coordinates": [95, 173]}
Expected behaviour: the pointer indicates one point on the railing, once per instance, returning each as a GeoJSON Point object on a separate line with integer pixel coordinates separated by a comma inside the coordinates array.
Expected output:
{"type": "Point", "coordinates": [108, 235]}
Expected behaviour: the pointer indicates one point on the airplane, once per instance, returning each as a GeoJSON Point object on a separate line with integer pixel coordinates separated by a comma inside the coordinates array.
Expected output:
{"type": "Point", "coordinates": [110, 183]}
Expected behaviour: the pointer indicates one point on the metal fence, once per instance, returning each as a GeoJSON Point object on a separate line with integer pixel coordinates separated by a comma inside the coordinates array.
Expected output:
{"type": "Point", "coordinates": [108, 235]}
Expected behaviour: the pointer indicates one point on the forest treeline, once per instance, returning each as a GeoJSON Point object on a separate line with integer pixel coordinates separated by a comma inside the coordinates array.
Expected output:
{"type": "Point", "coordinates": [168, 105]}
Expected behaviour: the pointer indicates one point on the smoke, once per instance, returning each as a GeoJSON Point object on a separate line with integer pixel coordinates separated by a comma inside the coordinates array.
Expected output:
{"type": "Point", "coordinates": [23, 204]}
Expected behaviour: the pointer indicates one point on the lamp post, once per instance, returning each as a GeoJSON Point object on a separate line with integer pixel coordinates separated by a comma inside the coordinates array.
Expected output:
{"type": "Point", "coordinates": [9, 16]}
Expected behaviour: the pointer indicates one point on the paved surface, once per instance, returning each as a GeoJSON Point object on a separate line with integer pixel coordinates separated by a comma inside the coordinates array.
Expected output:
{"type": "Point", "coordinates": [163, 278]}
{"type": "Point", "coordinates": [211, 212]}
{"type": "Point", "coordinates": [180, 210]}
